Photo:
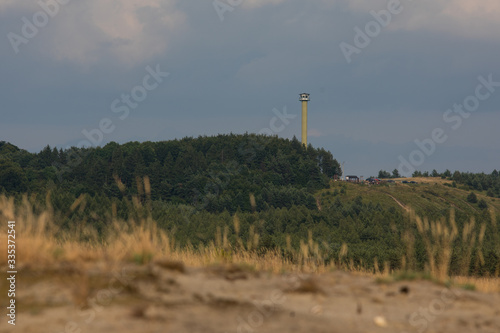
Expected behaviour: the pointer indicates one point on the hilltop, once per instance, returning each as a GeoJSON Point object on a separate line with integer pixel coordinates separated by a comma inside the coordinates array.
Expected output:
{"type": "Point", "coordinates": [216, 173]}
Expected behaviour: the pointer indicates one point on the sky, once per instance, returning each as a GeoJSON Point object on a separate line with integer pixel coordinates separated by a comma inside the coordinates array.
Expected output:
{"type": "Point", "coordinates": [408, 85]}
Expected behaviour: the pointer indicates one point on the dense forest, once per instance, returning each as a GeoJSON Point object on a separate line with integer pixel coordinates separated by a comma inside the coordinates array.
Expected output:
{"type": "Point", "coordinates": [213, 173]}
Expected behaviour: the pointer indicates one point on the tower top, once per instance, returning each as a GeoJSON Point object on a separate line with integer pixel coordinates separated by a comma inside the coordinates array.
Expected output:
{"type": "Point", "coordinates": [304, 97]}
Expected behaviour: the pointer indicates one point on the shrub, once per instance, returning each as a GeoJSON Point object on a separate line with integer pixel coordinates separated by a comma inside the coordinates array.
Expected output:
{"type": "Point", "coordinates": [482, 204]}
{"type": "Point", "coordinates": [472, 198]}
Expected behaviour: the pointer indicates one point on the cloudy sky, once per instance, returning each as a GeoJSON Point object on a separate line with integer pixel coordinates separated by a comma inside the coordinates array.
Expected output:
{"type": "Point", "coordinates": [381, 74]}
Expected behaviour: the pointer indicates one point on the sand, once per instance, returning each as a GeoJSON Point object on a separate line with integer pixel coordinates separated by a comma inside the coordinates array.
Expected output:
{"type": "Point", "coordinates": [168, 297]}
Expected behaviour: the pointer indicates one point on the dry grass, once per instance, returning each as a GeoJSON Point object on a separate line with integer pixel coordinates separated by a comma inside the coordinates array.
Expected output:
{"type": "Point", "coordinates": [139, 240]}
{"type": "Point", "coordinates": [438, 237]}
{"type": "Point", "coordinates": [40, 243]}
{"type": "Point", "coordinates": [482, 284]}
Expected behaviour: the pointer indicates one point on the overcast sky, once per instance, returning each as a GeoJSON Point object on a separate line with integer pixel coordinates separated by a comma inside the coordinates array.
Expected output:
{"type": "Point", "coordinates": [381, 75]}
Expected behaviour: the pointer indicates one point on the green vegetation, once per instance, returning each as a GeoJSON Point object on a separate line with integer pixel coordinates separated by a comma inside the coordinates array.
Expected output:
{"type": "Point", "coordinates": [210, 173]}
{"type": "Point", "coordinates": [385, 174]}
{"type": "Point", "coordinates": [472, 198]}
{"type": "Point", "coordinates": [281, 194]}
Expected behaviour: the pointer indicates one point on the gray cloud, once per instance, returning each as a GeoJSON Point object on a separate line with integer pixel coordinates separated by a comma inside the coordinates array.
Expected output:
{"type": "Point", "coordinates": [228, 76]}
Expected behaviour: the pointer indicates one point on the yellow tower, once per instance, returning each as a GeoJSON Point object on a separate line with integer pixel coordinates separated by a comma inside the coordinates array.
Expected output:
{"type": "Point", "coordinates": [304, 98]}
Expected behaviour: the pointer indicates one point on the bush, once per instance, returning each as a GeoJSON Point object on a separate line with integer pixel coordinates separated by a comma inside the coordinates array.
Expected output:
{"type": "Point", "coordinates": [482, 204]}
{"type": "Point", "coordinates": [472, 198]}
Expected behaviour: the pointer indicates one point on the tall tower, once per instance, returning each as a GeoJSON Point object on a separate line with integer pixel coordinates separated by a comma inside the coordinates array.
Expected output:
{"type": "Point", "coordinates": [304, 98]}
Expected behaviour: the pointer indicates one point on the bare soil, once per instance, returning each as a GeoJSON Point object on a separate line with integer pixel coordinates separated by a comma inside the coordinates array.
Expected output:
{"type": "Point", "coordinates": [168, 297]}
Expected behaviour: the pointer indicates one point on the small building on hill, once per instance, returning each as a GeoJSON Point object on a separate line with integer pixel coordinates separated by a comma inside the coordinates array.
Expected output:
{"type": "Point", "coordinates": [352, 179]}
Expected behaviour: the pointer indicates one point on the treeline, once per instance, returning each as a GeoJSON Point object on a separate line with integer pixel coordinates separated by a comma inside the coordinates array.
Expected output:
{"type": "Point", "coordinates": [490, 183]}
{"type": "Point", "coordinates": [468, 181]}
{"type": "Point", "coordinates": [212, 173]}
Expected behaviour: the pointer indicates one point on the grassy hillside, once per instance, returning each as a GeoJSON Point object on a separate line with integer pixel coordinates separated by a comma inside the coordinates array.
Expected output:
{"type": "Point", "coordinates": [431, 197]}
{"type": "Point", "coordinates": [441, 226]}
{"type": "Point", "coordinates": [356, 226]}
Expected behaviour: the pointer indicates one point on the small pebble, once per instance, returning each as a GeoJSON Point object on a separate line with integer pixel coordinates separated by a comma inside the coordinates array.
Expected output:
{"type": "Point", "coordinates": [380, 321]}
{"type": "Point", "coordinates": [317, 310]}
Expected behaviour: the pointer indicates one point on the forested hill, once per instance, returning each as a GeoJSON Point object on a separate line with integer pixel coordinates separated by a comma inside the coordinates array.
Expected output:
{"type": "Point", "coordinates": [216, 172]}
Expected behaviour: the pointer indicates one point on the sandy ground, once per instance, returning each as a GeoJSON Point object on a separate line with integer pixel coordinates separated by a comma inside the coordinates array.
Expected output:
{"type": "Point", "coordinates": [167, 297]}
